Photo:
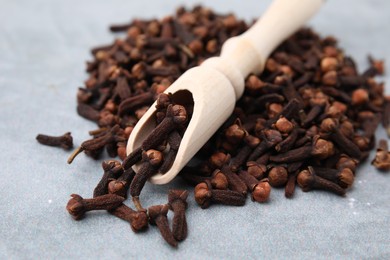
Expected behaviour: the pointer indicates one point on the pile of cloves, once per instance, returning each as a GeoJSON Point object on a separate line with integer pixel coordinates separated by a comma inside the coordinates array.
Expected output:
{"type": "Point", "coordinates": [308, 119]}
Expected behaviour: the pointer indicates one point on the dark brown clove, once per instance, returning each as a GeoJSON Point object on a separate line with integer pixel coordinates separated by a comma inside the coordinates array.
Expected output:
{"type": "Point", "coordinates": [121, 185]}
{"type": "Point", "coordinates": [131, 159]}
{"type": "Point", "coordinates": [176, 116]}
{"type": "Point", "coordinates": [260, 190]}
{"type": "Point", "coordinates": [151, 160]}
{"type": "Point", "coordinates": [77, 206]}
{"type": "Point", "coordinates": [96, 144]}
{"type": "Point", "coordinates": [174, 140]}
{"type": "Point", "coordinates": [138, 219]}
{"type": "Point", "coordinates": [382, 157]}
{"type": "Point", "coordinates": [278, 176]}
{"type": "Point", "coordinates": [308, 180]}
{"type": "Point", "coordinates": [344, 177]}
{"type": "Point", "coordinates": [235, 183]}
{"type": "Point", "coordinates": [158, 217]}
{"type": "Point", "coordinates": [205, 195]}
{"type": "Point", "coordinates": [256, 170]}
{"type": "Point", "coordinates": [289, 189]}
{"type": "Point", "coordinates": [177, 201]}
{"type": "Point", "coordinates": [65, 141]}
{"type": "Point", "coordinates": [219, 180]}
{"type": "Point", "coordinates": [320, 149]}
{"type": "Point", "coordinates": [269, 138]}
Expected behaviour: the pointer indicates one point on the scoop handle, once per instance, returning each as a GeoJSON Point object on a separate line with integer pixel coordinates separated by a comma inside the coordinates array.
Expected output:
{"type": "Point", "coordinates": [249, 51]}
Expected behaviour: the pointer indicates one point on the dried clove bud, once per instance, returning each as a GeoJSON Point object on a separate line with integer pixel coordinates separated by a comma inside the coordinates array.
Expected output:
{"type": "Point", "coordinates": [77, 206]}
{"type": "Point", "coordinates": [138, 219]}
{"type": "Point", "coordinates": [382, 157]}
{"type": "Point", "coordinates": [278, 176]}
{"type": "Point", "coordinates": [158, 216]}
{"type": "Point", "coordinates": [260, 190]}
{"type": "Point", "coordinates": [343, 177]}
{"type": "Point", "coordinates": [177, 201]}
{"type": "Point", "coordinates": [308, 180]}
{"type": "Point", "coordinates": [65, 141]}
{"type": "Point", "coordinates": [151, 160]}
{"type": "Point", "coordinates": [205, 195]}
{"type": "Point", "coordinates": [219, 180]}
{"type": "Point", "coordinates": [176, 116]}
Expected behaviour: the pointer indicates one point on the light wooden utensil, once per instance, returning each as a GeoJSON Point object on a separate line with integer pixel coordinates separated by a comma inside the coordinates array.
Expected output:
{"type": "Point", "coordinates": [215, 85]}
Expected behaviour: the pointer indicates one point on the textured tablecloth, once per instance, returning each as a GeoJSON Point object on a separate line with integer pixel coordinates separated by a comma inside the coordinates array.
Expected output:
{"type": "Point", "coordinates": [43, 48]}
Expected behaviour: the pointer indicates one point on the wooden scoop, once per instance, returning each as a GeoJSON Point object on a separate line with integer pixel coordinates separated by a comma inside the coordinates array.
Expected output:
{"type": "Point", "coordinates": [215, 85]}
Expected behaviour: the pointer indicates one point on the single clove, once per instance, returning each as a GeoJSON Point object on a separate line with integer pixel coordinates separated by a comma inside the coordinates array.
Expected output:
{"type": "Point", "coordinates": [260, 190]}
{"type": "Point", "coordinates": [205, 195]}
{"type": "Point", "coordinates": [65, 141]}
{"type": "Point", "coordinates": [138, 219]}
{"type": "Point", "coordinates": [158, 217]}
{"type": "Point", "coordinates": [151, 160]}
{"type": "Point", "coordinates": [177, 201]}
{"type": "Point", "coordinates": [308, 180]}
{"type": "Point", "coordinates": [77, 206]}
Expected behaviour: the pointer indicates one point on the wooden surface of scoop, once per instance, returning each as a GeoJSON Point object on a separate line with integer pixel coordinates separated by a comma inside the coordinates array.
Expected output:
{"type": "Point", "coordinates": [218, 82]}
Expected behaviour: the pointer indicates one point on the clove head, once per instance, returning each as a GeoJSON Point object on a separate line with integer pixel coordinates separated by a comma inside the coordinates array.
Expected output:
{"type": "Point", "coordinates": [328, 125]}
{"type": "Point", "coordinates": [272, 137]}
{"type": "Point", "coordinates": [305, 180]}
{"type": "Point", "coordinates": [139, 221]}
{"type": "Point", "coordinates": [284, 125]}
{"type": "Point", "coordinates": [256, 170]}
{"type": "Point", "coordinates": [235, 134]}
{"type": "Point", "coordinates": [329, 63]}
{"type": "Point", "coordinates": [261, 191]}
{"type": "Point", "coordinates": [117, 187]}
{"type": "Point", "coordinates": [76, 207]}
{"type": "Point", "coordinates": [67, 141]}
{"type": "Point", "coordinates": [111, 165]}
{"type": "Point", "coordinates": [360, 96]}
{"type": "Point", "coordinates": [178, 113]}
{"type": "Point", "coordinates": [203, 195]}
{"type": "Point", "coordinates": [218, 159]}
{"type": "Point", "coordinates": [346, 178]}
{"type": "Point", "coordinates": [251, 141]}
{"type": "Point", "coordinates": [177, 196]}
{"type": "Point", "coordinates": [382, 160]}
{"type": "Point", "coordinates": [156, 212]}
{"type": "Point", "coordinates": [219, 180]}
{"type": "Point", "coordinates": [322, 148]}
{"type": "Point", "coordinates": [347, 162]}
{"type": "Point", "coordinates": [152, 156]}
{"type": "Point", "coordinates": [278, 176]}
{"type": "Point", "coordinates": [163, 101]}
{"type": "Point", "coordinates": [362, 142]}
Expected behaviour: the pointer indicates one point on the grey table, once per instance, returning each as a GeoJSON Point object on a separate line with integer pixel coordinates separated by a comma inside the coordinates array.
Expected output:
{"type": "Point", "coordinates": [43, 46]}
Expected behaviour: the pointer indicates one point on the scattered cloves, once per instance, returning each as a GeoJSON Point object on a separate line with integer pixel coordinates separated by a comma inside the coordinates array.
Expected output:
{"type": "Point", "coordinates": [311, 106]}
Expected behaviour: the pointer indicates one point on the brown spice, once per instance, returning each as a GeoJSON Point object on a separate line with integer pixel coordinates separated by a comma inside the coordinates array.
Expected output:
{"type": "Point", "coordinates": [65, 141]}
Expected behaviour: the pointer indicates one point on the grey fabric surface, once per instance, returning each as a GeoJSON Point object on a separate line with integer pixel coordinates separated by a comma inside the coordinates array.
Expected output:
{"type": "Point", "coordinates": [43, 47]}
